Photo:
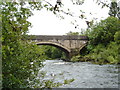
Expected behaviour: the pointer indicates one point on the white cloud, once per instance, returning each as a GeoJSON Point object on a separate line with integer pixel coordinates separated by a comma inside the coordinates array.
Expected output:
{"type": "Point", "coordinates": [46, 23]}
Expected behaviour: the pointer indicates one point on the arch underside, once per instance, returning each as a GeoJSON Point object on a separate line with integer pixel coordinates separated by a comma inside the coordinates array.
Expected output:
{"type": "Point", "coordinates": [66, 50]}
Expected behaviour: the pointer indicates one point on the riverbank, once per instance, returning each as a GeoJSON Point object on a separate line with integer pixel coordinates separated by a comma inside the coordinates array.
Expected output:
{"type": "Point", "coordinates": [88, 58]}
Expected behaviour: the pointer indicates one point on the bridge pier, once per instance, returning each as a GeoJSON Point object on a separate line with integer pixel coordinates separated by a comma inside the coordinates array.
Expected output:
{"type": "Point", "coordinates": [74, 52]}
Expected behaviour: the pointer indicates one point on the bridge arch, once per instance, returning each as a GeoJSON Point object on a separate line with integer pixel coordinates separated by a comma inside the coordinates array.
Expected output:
{"type": "Point", "coordinates": [66, 50]}
{"type": "Point", "coordinates": [70, 44]}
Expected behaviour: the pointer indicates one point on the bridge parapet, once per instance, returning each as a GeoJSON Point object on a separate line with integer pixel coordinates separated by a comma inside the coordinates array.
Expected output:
{"type": "Point", "coordinates": [59, 37]}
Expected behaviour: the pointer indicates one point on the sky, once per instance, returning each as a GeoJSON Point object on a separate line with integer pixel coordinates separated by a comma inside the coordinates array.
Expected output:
{"type": "Point", "coordinates": [46, 23]}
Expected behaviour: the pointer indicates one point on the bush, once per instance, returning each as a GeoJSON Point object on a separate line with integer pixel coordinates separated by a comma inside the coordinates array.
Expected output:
{"type": "Point", "coordinates": [104, 40]}
{"type": "Point", "coordinates": [76, 58]}
{"type": "Point", "coordinates": [117, 37]}
{"type": "Point", "coordinates": [108, 54]}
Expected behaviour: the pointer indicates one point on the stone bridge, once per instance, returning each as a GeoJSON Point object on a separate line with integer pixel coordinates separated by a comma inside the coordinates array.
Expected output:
{"type": "Point", "coordinates": [70, 44]}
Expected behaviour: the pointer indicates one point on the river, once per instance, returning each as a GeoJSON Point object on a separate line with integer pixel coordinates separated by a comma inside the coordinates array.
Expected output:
{"type": "Point", "coordinates": [85, 74]}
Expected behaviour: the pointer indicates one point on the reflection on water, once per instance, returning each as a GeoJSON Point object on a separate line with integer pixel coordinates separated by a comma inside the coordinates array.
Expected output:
{"type": "Point", "coordinates": [86, 75]}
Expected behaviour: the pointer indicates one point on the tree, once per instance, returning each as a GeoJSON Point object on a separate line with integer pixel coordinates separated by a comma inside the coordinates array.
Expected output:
{"type": "Point", "coordinates": [103, 32]}
{"type": "Point", "coordinates": [72, 33]}
{"type": "Point", "coordinates": [20, 58]}
{"type": "Point", "coordinates": [114, 9]}
{"type": "Point", "coordinates": [104, 41]}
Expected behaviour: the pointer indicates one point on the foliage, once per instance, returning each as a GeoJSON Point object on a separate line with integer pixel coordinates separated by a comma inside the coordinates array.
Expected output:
{"type": "Point", "coordinates": [107, 54]}
{"type": "Point", "coordinates": [75, 58]}
{"type": "Point", "coordinates": [117, 37]}
{"type": "Point", "coordinates": [53, 52]}
{"type": "Point", "coordinates": [104, 41]}
{"type": "Point", "coordinates": [101, 55]}
{"type": "Point", "coordinates": [103, 32]}
{"type": "Point", "coordinates": [68, 81]}
{"type": "Point", "coordinates": [114, 10]}
{"type": "Point", "coordinates": [20, 58]}
{"type": "Point", "coordinates": [81, 58]}
{"type": "Point", "coordinates": [73, 33]}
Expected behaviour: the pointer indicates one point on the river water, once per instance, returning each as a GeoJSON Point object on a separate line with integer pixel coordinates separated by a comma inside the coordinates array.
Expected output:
{"type": "Point", "coordinates": [85, 74]}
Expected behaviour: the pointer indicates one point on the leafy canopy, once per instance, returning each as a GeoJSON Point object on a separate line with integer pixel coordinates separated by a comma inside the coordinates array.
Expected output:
{"type": "Point", "coordinates": [103, 32]}
{"type": "Point", "coordinates": [20, 58]}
